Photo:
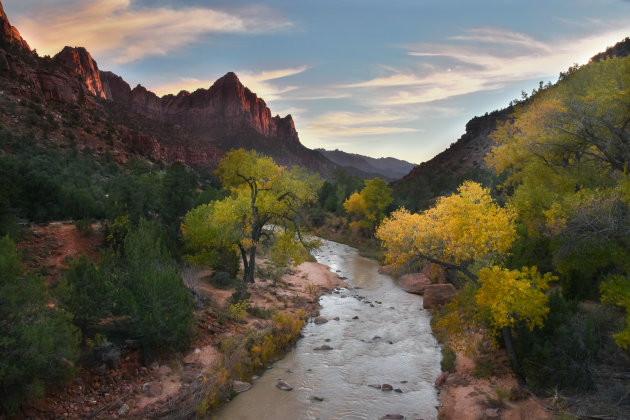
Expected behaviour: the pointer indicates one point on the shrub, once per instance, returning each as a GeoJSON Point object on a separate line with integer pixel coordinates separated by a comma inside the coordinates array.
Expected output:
{"type": "Point", "coordinates": [238, 311]}
{"type": "Point", "coordinates": [84, 226]}
{"type": "Point", "coordinates": [153, 297]}
{"type": "Point", "coordinates": [37, 343]}
{"type": "Point", "coordinates": [448, 359]}
{"type": "Point", "coordinates": [260, 312]}
{"type": "Point", "coordinates": [483, 369]}
{"type": "Point", "coordinates": [560, 354]}
{"type": "Point", "coordinates": [86, 294]}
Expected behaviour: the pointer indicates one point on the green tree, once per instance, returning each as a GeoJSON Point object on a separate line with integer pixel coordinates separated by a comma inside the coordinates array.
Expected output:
{"type": "Point", "coordinates": [38, 343]}
{"type": "Point", "coordinates": [262, 194]}
{"type": "Point", "coordinates": [368, 207]}
{"type": "Point", "coordinates": [157, 306]}
{"type": "Point", "coordinates": [86, 294]}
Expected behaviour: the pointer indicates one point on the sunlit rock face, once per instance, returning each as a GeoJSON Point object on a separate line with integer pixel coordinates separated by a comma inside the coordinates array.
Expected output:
{"type": "Point", "coordinates": [9, 33]}
{"type": "Point", "coordinates": [78, 61]}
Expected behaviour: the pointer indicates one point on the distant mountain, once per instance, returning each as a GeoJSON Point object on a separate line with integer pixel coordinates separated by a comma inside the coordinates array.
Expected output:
{"type": "Point", "coordinates": [386, 168]}
{"type": "Point", "coordinates": [194, 128]}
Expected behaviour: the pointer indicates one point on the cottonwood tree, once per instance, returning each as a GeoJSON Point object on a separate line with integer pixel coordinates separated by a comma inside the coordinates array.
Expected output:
{"type": "Point", "coordinates": [466, 231]}
{"type": "Point", "coordinates": [262, 194]}
{"type": "Point", "coordinates": [369, 205]}
{"type": "Point", "coordinates": [566, 154]}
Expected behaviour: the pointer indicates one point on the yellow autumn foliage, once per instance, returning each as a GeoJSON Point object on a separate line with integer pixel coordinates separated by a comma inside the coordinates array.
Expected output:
{"type": "Point", "coordinates": [508, 296]}
{"type": "Point", "coordinates": [462, 228]}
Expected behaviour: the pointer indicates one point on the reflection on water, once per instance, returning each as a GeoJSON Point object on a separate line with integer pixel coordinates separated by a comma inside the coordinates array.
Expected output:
{"type": "Point", "coordinates": [390, 342]}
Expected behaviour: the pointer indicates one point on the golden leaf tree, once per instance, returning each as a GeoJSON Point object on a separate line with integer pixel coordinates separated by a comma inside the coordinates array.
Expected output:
{"type": "Point", "coordinates": [466, 231]}
{"type": "Point", "coordinates": [263, 195]}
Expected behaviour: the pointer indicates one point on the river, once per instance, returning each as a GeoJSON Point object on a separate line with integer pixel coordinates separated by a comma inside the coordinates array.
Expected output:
{"type": "Point", "coordinates": [389, 343]}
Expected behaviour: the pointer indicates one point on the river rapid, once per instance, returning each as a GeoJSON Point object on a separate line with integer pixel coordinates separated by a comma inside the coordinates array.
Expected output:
{"type": "Point", "coordinates": [389, 343]}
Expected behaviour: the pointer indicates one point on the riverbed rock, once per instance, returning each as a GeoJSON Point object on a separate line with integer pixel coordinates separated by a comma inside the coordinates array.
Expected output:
{"type": "Point", "coordinates": [317, 398]}
{"type": "Point", "coordinates": [388, 270]}
{"type": "Point", "coordinates": [414, 283]}
{"type": "Point", "coordinates": [438, 294]}
{"type": "Point", "coordinates": [376, 386]}
{"type": "Point", "coordinates": [387, 387]}
{"type": "Point", "coordinates": [323, 347]}
{"type": "Point", "coordinates": [320, 320]}
{"type": "Point", "coordinates": [441, 379]}
{"type": "Point", "coordinates": [281, 384]}
{"type": "Point", "coordinates": [393, 417]}
{"type": "Point", "coordinates": [239, 386]}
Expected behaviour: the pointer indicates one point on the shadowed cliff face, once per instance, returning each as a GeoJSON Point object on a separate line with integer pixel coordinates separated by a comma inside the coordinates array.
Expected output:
{"type": "Point", "coordinates": [227, 115]}
{"type": "Point", "coordinates": [9, 33]}
{"type": "Point", "coordinates": [226, 108]}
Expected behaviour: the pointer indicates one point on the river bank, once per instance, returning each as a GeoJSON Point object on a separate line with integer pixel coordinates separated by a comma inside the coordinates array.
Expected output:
{"type": "Point", "coordinates": [112, 383]}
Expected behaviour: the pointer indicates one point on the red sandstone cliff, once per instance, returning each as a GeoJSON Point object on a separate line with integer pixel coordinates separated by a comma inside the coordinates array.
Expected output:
{"type": "Point", "coordinates": [194, 128]}
{"type": "Point", "coordinates": [9, 33]}
{"type": "Point", "coordinates": [79, 61]}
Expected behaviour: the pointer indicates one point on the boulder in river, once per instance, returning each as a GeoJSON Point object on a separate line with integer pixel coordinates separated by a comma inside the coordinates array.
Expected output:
{"type": "Point", "coordinates": [387, 387]}
{"type": "Point", "coordinates": [239, 386]}
{"type": "Point", "coordinates": [320, 320]}
{"type": "Point", "coordinates": [323, 347]}
{"type": "Point", "coordinates": [438, 294]}
{"type": "Point", "coordinates": [414, 283]}
{"type": "Point", "coordinates": [281, 384]}
{"type": "Point", "coordinates": [393, 417]}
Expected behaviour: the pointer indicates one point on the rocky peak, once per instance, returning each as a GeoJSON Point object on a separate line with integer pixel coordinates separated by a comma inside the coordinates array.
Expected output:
{"type": "Point", "coordinates": [79, 61]}
{"type": "Point", "coordinates": [9, 33]}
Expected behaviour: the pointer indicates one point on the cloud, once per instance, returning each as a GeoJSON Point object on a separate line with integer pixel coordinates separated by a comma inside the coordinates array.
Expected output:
{"type": "Point", "coordinates": [352, 124]}
{"type": "Point", "coordinates": [257, 82]}
{"type": "Point", "coordinates": [482, 60]}
{"type": "Point", "coordinates": [114, 29]}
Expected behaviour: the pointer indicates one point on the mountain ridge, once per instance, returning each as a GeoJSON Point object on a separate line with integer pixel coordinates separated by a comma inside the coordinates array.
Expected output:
{"type": "Point", "coordinates": [388, 168]}
{"type": "Point", "coordinates": [211, 121]}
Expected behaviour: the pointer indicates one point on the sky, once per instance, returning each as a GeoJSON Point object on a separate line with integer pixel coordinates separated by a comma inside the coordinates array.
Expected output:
{"type": "Point", "coordinates": [381, 78]}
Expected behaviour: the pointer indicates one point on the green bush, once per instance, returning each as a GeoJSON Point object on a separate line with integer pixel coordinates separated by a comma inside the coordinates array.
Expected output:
{"type": "Point", "coordinates": [560, 354]}
{"type": "Point", "coordinates": [448, 359]}
{"type": "Point", "coordinates": [38, 344]}
{"type": "Point", "coordinates": [86, 294]}
{"type": "Point", "coordinates": [153, 298]}
{"type": "Point", "coordinates": [483, 369]}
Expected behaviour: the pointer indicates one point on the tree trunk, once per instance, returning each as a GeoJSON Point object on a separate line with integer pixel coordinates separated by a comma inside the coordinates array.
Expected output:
{"type": "Point", "coordinates": [509, 347]}
{"type": "Point", "coordinates": [252, 265]}
{"type": "Point", "coordinates": [246, 265]}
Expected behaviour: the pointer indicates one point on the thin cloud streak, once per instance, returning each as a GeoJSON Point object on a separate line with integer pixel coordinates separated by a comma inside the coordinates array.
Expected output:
{"type": "Point", "coordinates": [116, 31]}
{"type": "Point", "coordinates": [482, 67]}
{"type": "Point", "coordinates": [351, 124]}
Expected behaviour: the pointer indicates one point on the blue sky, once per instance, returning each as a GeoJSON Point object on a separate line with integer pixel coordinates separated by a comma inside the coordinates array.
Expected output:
{"type": "Point", "coordinates": [381, 78]}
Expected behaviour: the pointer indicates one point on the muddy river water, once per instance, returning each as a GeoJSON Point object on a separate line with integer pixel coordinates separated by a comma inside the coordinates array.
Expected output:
{"type": "Point", "coordinates": [382, 337]}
